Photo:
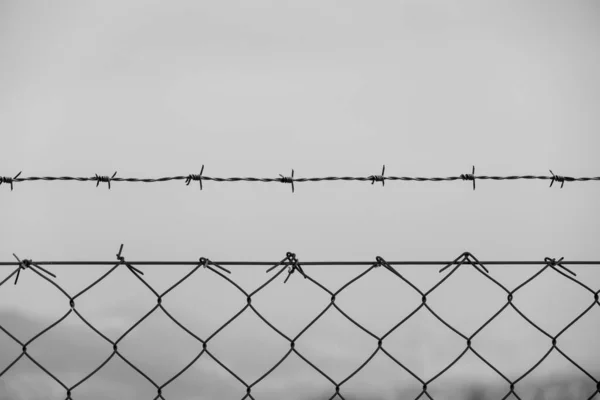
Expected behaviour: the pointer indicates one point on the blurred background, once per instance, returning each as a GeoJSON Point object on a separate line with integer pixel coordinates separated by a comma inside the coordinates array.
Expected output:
{"type": "Point", "coordinates": [327, 88]}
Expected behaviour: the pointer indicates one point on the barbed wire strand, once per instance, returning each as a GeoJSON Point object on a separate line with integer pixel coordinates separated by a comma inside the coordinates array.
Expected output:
{"type": "Point", "coordinates": [291, 180]}
{"type": "Point", "coordinates": [465, 259]}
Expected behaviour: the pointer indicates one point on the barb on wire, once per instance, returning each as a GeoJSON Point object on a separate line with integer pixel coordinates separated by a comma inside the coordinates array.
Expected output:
{"type": "Point", "coordinates": [8, 179]}
{"type": "Point", "coordinates": [291, 263]}
{"type": "Point", "coordinates": [104, 179]}
{"type": "Point", "coordinates": [378, 178]}
{"type": "Point", "coordinates": [195, 177]}
{"type": "Point", "coordinates": [288, 179]}
{"type": "Point", "coordinates": [29, 264]}
{"type": "Point", "coordinates": [291, 179]}
{"type": "Point", "coordinates": [560, 179]}
{"type": "Point", "coordinates": [469, 177]}
{"type": "Point", "coordinates": [129, 266]}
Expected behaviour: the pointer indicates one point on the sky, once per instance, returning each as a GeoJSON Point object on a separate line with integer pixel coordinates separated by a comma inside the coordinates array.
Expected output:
{"type": "Point", "coordinates": [258, 88]}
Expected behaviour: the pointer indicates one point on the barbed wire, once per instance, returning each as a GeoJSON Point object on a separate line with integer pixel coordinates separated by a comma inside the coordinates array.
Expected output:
{"type": "Point", "coordinates": [292, 265]}
{"type": "Point", "coordinates": [291, 180]}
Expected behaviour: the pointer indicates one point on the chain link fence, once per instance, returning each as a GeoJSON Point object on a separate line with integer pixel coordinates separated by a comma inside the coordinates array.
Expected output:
{"type": "Point", "coordinates": [292, 266]}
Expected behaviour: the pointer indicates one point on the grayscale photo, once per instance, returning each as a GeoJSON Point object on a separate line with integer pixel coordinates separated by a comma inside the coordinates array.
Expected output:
{"type": "Point", "coordinates": [300, 200]}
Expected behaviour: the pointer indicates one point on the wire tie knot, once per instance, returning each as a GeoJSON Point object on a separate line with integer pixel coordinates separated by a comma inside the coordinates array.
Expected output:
{"type": "Point", "coordinates": [194, 177]}
{"type": "Point", "coordinates": [288, 179]}
{"type": "Point", "coordinates": [378, 178]}
{"type": "Point", "coordinates": [382, 263]}
{"type": "Point", "coordinates": [469, 177]}
{"type": "Point", "coordinates": [556, 263]}
{"type": "Point", "coordinates": [8, 179]}
{"type": "Point", "coordinates": [25, 264]}
{"type": "Point", "coordinates": [100, 178]}
{"type": "Point", "coordinates": [557, 178]}
{"type": "Point", "coordinates": [205, 263]}
{"type": "Point", "coordinates": [119, 256]}
{"type": "Point", "coordinates": [291, 257]}
{"type": "Point", "coordinates": [129, 266]}
{"type": "Point", "coordinates": [28, 264]}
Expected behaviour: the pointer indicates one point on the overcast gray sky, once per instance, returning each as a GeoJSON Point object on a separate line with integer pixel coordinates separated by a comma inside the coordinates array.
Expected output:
{"type": "Point", "coordinates": [256, 88]}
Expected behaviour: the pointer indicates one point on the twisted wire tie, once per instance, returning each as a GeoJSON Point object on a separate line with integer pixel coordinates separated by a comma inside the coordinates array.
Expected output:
{"type": "Point", "coordinates": [291, 257]}
{"type": "Point", "coordinates": [381, 263]}
{"type": "Point", "coordinates": [28, 264]}
{"type": "Point", "coordinates": [8, 179]}
{"type": "Point", "coordinates": [194, 177]}
{"type": "Point", "coordinates": [122, 261]}
{"type": "Point", "coordinates": [556, 263]}
{"type": "Point", "coordinates": [205, 263]}
{"type": "Point", "coordinates": [288, 179]}
{"type": "Point", "coordinates": [477, 263]}
{"type": "Point", "coordinates": [100, 178]}
{"type": "Point", "coordinates": [469, 177]}
{"type": "Point", "coordinates": [378, 178]}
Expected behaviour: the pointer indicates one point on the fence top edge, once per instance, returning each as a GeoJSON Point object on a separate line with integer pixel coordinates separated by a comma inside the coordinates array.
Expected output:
{"type": "Point", "coordinates": [287, 263]}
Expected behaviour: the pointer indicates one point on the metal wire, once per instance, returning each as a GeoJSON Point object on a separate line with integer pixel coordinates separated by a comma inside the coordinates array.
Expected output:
{"type": "Point", "coordinates": [290, 179]}
{"type": "Point", "coordinates": [292, 265]}
{"type": "Point", "coordinates": [312, 263]}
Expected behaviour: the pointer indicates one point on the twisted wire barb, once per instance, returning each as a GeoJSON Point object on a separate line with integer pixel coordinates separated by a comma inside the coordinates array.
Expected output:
{"type": "Point", "coordinates": [378, 178]}
{"type": "Point", "coordinates": [9, 180]}
{"type": "Point", "coordinates": [290, 179]}
{"type": "Point", "coordinates": [193, 177]}
{"type": "Point", "coordinates": [292, 264]}
{"type": "Point", "coordinates": [469, 177]}
{"type": "Point", "coordinates": [104, 179]}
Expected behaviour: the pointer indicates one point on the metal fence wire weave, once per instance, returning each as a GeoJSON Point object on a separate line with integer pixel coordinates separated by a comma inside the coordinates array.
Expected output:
{"type": "Point", "coordinates": [292, 265]}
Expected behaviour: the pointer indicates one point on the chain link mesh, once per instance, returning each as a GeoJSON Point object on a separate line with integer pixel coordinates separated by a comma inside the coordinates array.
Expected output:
{"type": "Point", "coordinates": [292, 265]}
